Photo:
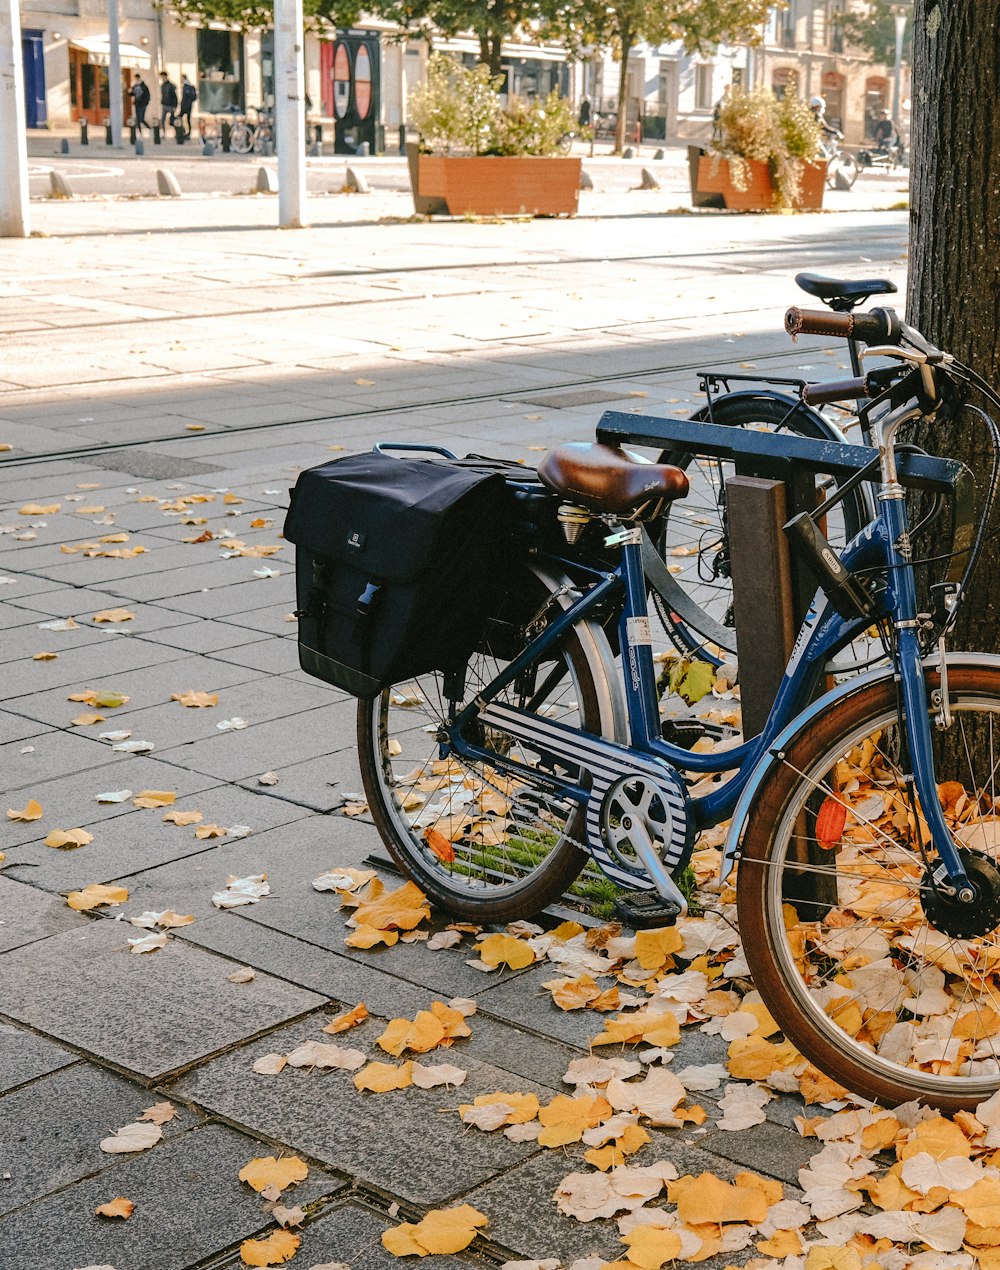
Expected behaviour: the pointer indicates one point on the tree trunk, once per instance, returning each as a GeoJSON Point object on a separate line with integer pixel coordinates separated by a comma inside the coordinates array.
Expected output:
{"type": "Point", "coordinates": [627, 41]}
{"type": "Point", "coordinates": [954, 280]}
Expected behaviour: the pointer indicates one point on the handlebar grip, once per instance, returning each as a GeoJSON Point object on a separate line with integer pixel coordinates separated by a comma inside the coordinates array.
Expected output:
{"type": "Point", "coordinates": [880, 326]}
{"type": "Point", "coordinates": [836, 390]}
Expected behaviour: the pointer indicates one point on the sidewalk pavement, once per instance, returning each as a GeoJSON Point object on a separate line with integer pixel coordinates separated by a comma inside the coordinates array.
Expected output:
{"type": "Point", "coordinates": [168, 370]}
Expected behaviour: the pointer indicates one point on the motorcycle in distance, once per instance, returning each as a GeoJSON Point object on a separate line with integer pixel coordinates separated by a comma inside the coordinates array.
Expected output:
{"type": "Point", "coordinates": [885, 157]}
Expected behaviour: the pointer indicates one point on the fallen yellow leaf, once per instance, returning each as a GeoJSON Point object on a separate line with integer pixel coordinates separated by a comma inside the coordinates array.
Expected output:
{"type": "Point", "coordinates": [368, 937]}
{"type": "Point", "coordinates": [154, 798]}
{"type": "Point", "coordinates": [653, 947]}
{"type": "Point", "coordinates": [86, 720]}
{"type": "Point", "coordinates": [39, 509]}
{"type": "Point", "coordinates": [119, 1207]}
{"type": "Point", "coordinates": [650, 1246]}
{"type": "Point", "coordinates": [199, 699]}
{"type": "Point", "coordinates": [402, 909]}
{"type": "Point", "coordinates": [505, 950]}
{"type": "Point", "coordinates": [442, 1231]}
{"type": "Point", "coordinates": [209, 831]}
{"type": "Point", "coordinates": [231, 499]}
{"type": "Point", "coordinates": [276, 1249]}
{"type": "Point", "coordinates": [94, 895]}
{"type": "Point", "coordinates": [344, 1022]}
{"type": "Point", "coordinates": [267, 1171]}
{"type": "Point", "coordinates": [45, 657]}
{"type": "Point", "coordinates": [708, 1198]}
{"type": "Point", "coordinates": [68, 839]}
{"type": "Point", "coordinates": [566, 1119]}
{"type": "Point", "coordinates": [33, 811]}
{"type": "Point", "coordinates": [380, 1078]}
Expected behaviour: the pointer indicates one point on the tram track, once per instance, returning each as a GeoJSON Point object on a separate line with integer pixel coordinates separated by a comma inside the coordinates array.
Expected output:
{"type": "Point", "coordinates": [531, 394]}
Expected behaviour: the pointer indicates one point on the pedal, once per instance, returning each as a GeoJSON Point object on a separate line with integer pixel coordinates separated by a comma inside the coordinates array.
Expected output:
{"type": "Point", "coordinates": [642, 910]}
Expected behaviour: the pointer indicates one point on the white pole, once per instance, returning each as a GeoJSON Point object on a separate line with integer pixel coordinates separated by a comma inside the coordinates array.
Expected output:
{"type": "Point", "coordinates": [289, 113]}
{"type": "Point", "coordinates": [114, 76]}
{"type": "Point", "coordinates": [14, 220]}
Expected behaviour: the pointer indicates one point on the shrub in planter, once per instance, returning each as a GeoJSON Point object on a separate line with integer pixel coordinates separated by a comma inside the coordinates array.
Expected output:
{"type": "Point", "coordinates": [475, 157]}
{"type": "Point", "coordinates": [784, 134]}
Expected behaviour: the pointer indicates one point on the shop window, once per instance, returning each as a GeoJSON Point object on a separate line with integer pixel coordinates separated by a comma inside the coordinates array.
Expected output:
{"type": "Point", "coordinates": [220, 72]}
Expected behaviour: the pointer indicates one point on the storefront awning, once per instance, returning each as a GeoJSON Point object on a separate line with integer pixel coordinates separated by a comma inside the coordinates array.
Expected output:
{"type": "Point", "coordinates": [98, 52]}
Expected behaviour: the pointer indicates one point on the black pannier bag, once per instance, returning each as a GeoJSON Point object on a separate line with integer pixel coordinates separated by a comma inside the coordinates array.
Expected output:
{"type": "Point", "coordinates": [395, 561]}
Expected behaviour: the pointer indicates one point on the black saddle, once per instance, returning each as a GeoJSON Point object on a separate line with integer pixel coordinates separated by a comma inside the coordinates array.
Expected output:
{"type": "Point", "coordinates": [842, 294]}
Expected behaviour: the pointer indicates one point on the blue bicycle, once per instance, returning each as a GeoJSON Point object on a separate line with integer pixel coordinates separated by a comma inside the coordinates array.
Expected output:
{"type": "Point", "coordinates": [864, 822]}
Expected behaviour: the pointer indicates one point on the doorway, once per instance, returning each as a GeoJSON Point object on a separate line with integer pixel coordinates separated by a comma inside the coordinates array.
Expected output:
{"type": "Point", "coordinates": [33, 57]}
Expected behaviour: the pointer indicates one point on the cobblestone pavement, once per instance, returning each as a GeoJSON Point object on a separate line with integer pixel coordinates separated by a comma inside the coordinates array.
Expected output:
{"type": "Point", "coordinates": [211, 362]}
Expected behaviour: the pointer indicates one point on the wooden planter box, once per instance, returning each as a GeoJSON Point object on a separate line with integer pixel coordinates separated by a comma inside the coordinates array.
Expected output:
{"type": "Point", "coordinates": [493, 186]}
{"type": "Point", "coordinates": [711, 185]}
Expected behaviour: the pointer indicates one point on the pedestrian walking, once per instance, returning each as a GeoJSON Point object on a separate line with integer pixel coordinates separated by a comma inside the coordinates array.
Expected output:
{"type": "Point", "coordinates": [168, 99]}
{"type": "Point", "coordinates": [584, 116]}
{"type": "Point", "coordinates": [139, 93]}
{"type": "Point", "coordinates": [720, 106]}
{"type": "Point", "coordinates": [189, 95]}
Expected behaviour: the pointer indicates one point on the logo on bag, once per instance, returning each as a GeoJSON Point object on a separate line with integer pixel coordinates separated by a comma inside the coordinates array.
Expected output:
{"type": "Point", "coordinates": [357, 540]}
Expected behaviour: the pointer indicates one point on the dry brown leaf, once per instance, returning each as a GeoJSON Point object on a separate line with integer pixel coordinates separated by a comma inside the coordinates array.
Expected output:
{"type": "Point", "coordinates": [270, 1064]}
{"type": "Point", "coordinates": [33, 811]}
{"type": "Point", "coordinates": [159, 1113]}
{"type": "Point", "coordinates": [200, 700]}
{"type": "Point", "coordinates": [183, 817]}
{"type": "Point", "coordinates": [275, 1250]}
{"type": "Point", "coordinates": [113, 615]}
{"type": "Point", "coordinates": [94, 895]}
{"type": "Point", "coordinates": [265, 1171]}
{"type": "Point", "coordinates": [68, 839]}
{"type": "Point", "coordinates": [119, 1207]}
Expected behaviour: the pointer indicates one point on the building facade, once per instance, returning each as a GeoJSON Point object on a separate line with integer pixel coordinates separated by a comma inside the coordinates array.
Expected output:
{"type": "Point", "coordinates": [358, 81]}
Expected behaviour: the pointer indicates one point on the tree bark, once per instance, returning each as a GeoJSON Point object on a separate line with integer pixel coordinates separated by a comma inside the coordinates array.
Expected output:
{"type": "Point", "coordinates": [627, 42]}
{"type": "Point", "coordinates": [954, 280]}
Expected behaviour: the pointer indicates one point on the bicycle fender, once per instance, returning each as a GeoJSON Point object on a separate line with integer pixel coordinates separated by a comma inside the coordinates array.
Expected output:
{"type": "Point", "coordinates": [776, 750]}
{"type": "Point", "coordinates": [826, 429]}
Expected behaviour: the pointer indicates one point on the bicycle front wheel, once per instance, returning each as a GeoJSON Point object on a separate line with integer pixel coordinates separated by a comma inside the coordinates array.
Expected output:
{"type": "Point", "coordinates": [240, 139]}
{"type": "Point", "coordinates": [482, 844]}
{"type": "Point", "coordinates": [868, 968]}
{"type": "Point", "coordinates": [693, 531]}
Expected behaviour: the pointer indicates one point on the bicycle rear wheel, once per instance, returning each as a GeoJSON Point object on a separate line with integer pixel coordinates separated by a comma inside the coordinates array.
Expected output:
{"type": "Point", "coordinates": [693, 537]}
{"type": "Point", "coordinates": [240, 138]}
{"type": "Point", "coordinates": [482, 844]}
{"type": "Point", "coordinates": [865, 965]}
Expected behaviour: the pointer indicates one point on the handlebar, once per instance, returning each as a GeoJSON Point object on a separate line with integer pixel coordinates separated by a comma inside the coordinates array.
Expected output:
{"type": "Point", "coordinates": [879, 326]}
{"type": "Point", "coordinates": [837, 390]}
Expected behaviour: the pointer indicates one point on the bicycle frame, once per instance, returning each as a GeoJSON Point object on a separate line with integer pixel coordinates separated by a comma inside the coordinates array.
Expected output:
{"type": "Point", "coordinates": [883, 544]}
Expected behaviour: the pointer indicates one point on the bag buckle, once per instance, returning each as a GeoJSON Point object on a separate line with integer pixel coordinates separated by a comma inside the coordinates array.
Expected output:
{"type": "Point", "coordinates": [367, 598]}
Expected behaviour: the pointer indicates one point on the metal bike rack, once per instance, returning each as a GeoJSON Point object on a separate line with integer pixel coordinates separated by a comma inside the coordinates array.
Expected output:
{"type": "Point", "coordinates": [775, 480]}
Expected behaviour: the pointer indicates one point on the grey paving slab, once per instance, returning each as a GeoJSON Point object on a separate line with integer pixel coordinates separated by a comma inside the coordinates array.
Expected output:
{"type": "Point", "coordinates": [26, 639]}
{"type": "Point", "coordinates": [272, 619]}
{"type": "Point", "coordinates": [524, 1218]}
{"type": "Point", "coordinates": [309, 917]}
{"type": "Point", "coordinates": [277, 656]}
{"type": "Point", "coordinates": [766, 1148]}
{"type": "Point", "coordinates": [524, 1001]}
{"type": "Point", "coordinates": [69, 802]}
{"type": "Point", "coordinates": [291, 856]}
{"type": "Point", "coordinates": [159, 672]}
{"type": "Point", "coordinates": [52, 1129]}
{"type": "Point", "coordinates": [55, 754]}
{"type": "Point", "coordinates": [189, 1206]}
{"type": "Point", "coordinates": [258, 698]}
{"type": "Point", "coordinates": [202, 635]}
{"type": "Point", "coordinates": [15, 728]}
{"type": "Point", "coordinates": [346, 981]}
{"type": "Point", "coordinates": [24, 1057]}
{"type": "Point", "coordinates": [15, 612]}
{"type": "Point", "coordinates": [213, 576]}
{"type": "Point", "coordinates": [352, 1236]}
{"type": "Point", "coordinates": [316, 783]}
{"type": "Point", "coordinates": [30, 915]}
{"type": "Point", "coordinates": [81, 603]}
{"type": "Point", "coordinates": [87, 667]}
{"type": "Point", "coordinates": [237, 756]}
{"type": "Point", "coordinates": [238, 602]}
{"type": "Point", "coordinates": [370, 1136]}
{"type": "Point", "coordinates": [141, 840]}
{"type": "Point", "coordinates": [146, 1013]}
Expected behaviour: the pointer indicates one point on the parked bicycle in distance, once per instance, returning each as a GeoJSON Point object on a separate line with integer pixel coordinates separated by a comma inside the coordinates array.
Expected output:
{"type": "Point", "coordinates": [253, 132]}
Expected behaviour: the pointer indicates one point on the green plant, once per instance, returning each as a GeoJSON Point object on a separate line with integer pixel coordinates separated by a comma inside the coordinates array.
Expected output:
{"type": "Point", "coordinates": [458, 109]}
{"type": "Point", "coordinates": [784, 134]}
